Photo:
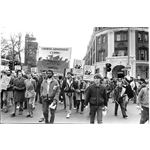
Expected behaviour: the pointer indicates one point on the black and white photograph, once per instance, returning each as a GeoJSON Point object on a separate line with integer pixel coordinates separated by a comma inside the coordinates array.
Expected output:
{"type": "Point", "coordinates": [74, 70]}
{"type": "Point", "coordinates": [33, 79]}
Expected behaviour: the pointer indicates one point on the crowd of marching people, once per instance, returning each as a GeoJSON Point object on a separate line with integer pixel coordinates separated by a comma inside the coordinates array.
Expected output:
{"type": "Point", "coordinates": [21, 91]}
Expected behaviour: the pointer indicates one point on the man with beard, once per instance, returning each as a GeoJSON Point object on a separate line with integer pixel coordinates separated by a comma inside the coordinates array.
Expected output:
{"type": "Point", "coordinates": [49, 89]}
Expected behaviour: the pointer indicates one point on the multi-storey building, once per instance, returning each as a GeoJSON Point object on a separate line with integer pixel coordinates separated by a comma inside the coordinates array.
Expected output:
{"type": "Point", "coordinates": [125, 48]}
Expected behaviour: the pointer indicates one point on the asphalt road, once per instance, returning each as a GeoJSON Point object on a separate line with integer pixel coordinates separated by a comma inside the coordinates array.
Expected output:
{"type": "Point", "coordinates": [76, 118]}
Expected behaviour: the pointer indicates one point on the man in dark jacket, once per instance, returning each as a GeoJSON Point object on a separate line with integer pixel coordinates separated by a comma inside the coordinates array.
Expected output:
{"type": "Point", "coordinates": [96, 95]}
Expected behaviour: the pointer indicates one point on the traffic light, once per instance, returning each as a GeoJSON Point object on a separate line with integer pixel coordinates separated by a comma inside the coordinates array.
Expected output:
{"type": "Point", "coordinates": [11, 66]}
{"type": "Point", "coordinates": [108, 67]}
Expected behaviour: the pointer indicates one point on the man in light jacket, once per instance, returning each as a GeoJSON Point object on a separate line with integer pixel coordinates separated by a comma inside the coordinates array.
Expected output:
{"type": "Point", "coordinates": [49, 89]}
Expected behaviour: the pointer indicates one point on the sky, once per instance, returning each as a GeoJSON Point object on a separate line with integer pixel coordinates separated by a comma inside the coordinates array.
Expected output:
{"type": "Point", "coordinates": [63, 23]}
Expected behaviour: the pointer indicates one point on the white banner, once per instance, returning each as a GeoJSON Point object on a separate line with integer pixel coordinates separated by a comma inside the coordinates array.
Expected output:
{"type": "Point", "coordinates": [17, 67]}
{"type": "Point", "coordinates": [52, 58]}
{"type": "Point", "coordinates": [78, 66]}
{"type": "Point", "coordinates": [88, 72]}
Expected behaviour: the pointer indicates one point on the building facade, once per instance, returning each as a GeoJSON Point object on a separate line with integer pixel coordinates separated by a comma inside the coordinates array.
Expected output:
{"type": "Point", "coordinates": [125, 48]}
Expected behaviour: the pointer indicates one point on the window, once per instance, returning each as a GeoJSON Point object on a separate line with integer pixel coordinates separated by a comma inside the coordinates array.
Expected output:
{"type": "Point", "coordinates": [104, 39]}
{"type": "Point", "coordinates": [118, 37]}
{"type": "Point", "coordinates": [143, 54]}
{"type": "Point", "coordinates": [121, 36]}
{"type": "Point", "coordinates": [99, 40]}
{"type": "Point", "coordinates": [146, 37]}
{"type": "Point", "coordinates": [93, 46]}
{"type": "Point", "coordinates": [93, 58]}
{"type": "Point", "coordinates": [120, 52]}
{"type": "Point", "coordinates": [139, 36]}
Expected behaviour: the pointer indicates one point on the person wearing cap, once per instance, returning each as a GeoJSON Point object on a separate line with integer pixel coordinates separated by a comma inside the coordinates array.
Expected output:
{"type": "Point", "coordinates": [143, 103]}
{"type": "Point", "coordinates": [49, 89]}
{"type": "Point", "coordinates": [96, 96]}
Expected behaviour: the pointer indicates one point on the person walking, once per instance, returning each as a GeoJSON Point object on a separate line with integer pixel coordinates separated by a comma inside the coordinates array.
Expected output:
{"type": "Point", "coordinates": [80, 92]}
{"type": "Point", "coordinates": [61, 92]}
{"type": "Point", "coordinates": [5, 86]}
{"type": "Point", "coordinates": [143, 103]}
{"type": "Point", "coordinates": [19, 93]}
{"type": "Point", "coordinates": [30, 93]}
{"type": "Point", "coordinates": [119, 95]}
{"type": "Point", "coordinates": [96, 95]}
{"type": "Point", "coordinates": [68, 86]}
{"type": "Point", "coordinates": [49, 89]}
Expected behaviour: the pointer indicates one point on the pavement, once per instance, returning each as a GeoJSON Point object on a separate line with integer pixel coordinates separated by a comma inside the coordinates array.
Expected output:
{"type": "Point", "coordinates": [75, 118]}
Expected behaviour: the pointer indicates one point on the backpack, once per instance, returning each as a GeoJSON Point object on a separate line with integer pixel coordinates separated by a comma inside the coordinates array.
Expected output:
{"type": "Point", "coordinates": [129, 91]}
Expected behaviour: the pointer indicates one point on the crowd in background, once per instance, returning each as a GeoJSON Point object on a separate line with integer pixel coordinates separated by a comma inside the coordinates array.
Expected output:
{"type": "Point", "coordinates": [21, 91]}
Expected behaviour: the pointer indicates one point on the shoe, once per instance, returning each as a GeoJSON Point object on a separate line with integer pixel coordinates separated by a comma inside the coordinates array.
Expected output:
{"type": "Point", "coordinates": [46, 122]}
{"type": "Point", "coordinates": [81, 112]}
{"type": "Point", "coordinates": [28, 115]}
{"type": "Point", "coordinates": [115, 114]}
{"type": "Point", "coordinates": [74, 108]}
{"type": "Point", "coordinates": [68, 116]}
{"type": "Point", "coordinates": [125, 116]}
{"type": "Point", "coordinates": [41, 120]}
{"type": "Point", "coordinates": [13, 115]}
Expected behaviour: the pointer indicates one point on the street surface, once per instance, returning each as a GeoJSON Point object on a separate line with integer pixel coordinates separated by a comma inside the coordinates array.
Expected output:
{"type": "Point", "coordinates": [76, 118]}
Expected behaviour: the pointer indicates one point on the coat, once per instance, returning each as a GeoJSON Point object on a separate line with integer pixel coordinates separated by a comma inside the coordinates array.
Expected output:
{"type": "Point", "coordinates": [53, 88]}
{"type": "Point", "coordinates": [96, 95]}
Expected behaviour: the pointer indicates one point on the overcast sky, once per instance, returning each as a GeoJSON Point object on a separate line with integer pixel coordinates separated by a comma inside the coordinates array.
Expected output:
{"type": "Point", "coordinates": [66, 23]}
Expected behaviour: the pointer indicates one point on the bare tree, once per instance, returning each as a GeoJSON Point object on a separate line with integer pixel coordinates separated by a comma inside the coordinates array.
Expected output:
{"type": "Point", "coordinates": [12, 48]}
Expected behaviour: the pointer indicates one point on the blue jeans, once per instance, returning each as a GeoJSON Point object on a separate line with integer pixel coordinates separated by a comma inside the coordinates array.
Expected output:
{"type": "Point", "coordinates": [93, 111]}
{"type": "Point", "coordinates": [144, 115]}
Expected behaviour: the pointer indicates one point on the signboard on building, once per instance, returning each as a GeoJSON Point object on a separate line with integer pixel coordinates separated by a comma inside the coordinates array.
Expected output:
{"type": "Point", "coordinates": [78, 67]}
{"type": "Point", "coordinates": [52, 58]}
{"type": "Point", "coordinates": [88, 72]}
